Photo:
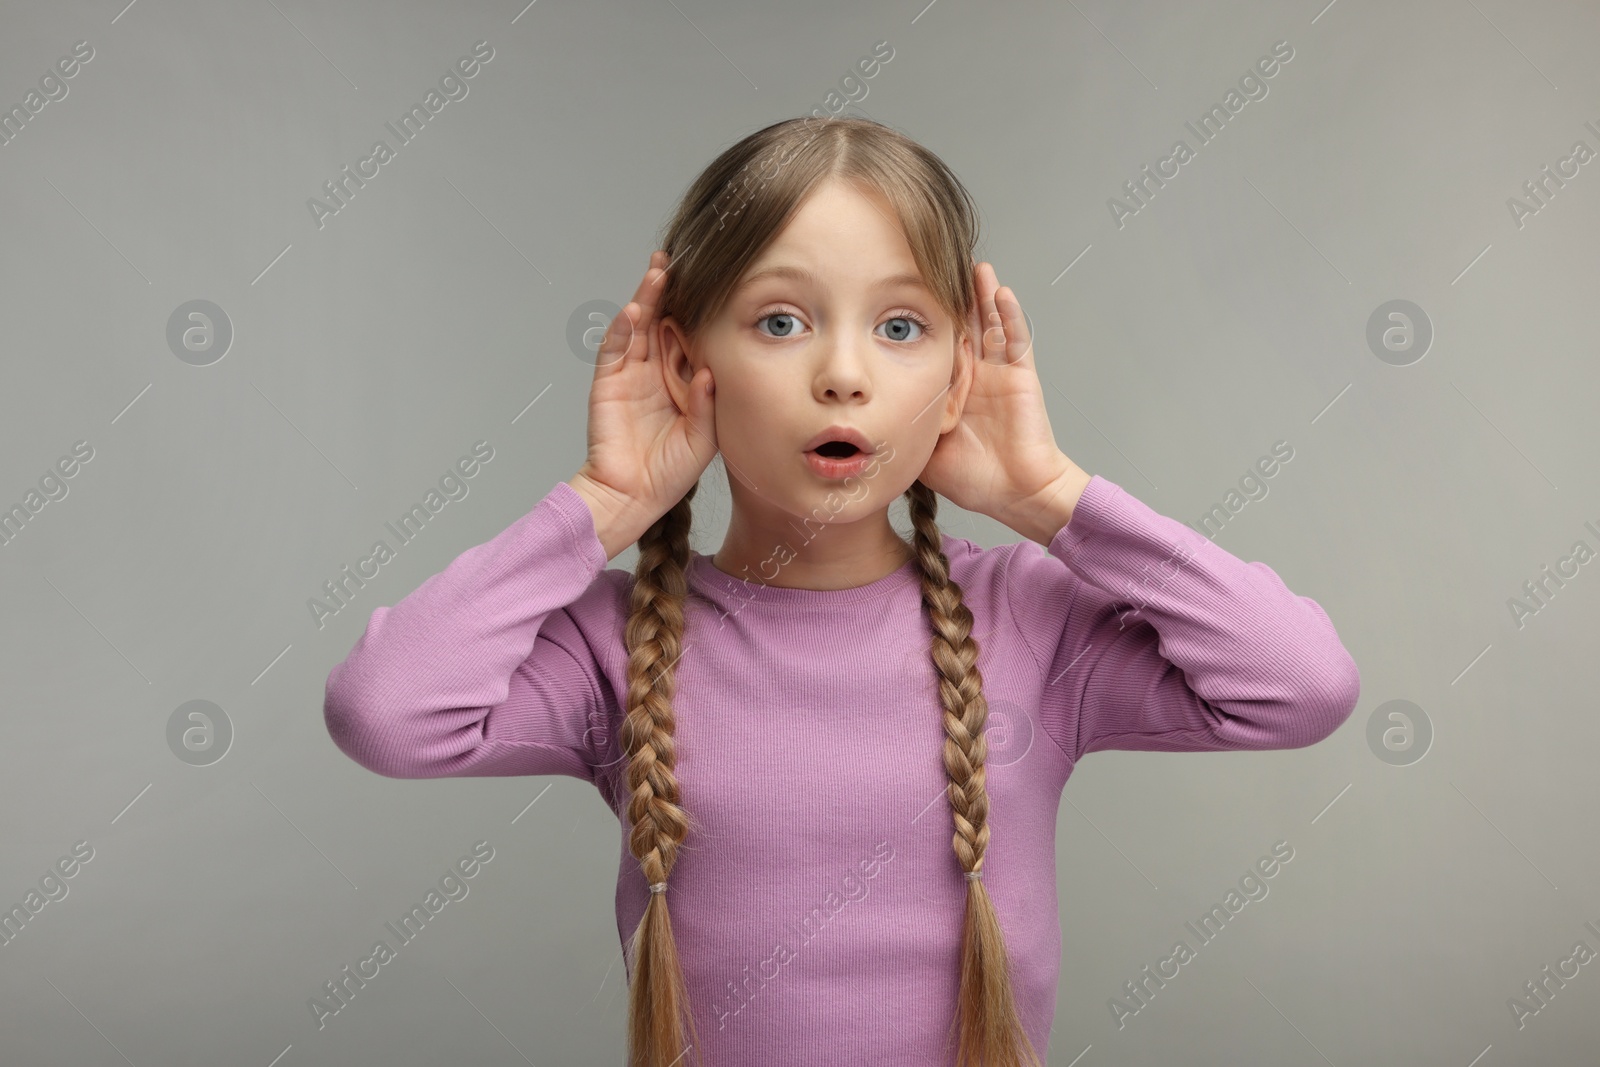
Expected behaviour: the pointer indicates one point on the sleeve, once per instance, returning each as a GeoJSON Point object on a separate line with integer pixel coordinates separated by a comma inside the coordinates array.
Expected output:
{"type": "Point", "coordinates": [1152, 637]}
{"type": "Point", "coordinates": [482, 670]}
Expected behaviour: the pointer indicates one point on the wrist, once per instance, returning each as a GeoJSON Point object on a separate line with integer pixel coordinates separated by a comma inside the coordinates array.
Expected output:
{"type": "Point", "coordinates": [610, 512]}
{"type": "Point", "coordinates": [1042, 514]}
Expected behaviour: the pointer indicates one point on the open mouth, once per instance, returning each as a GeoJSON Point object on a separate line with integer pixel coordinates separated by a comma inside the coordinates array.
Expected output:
{"type": "Point", "coordinates": [837, 449]}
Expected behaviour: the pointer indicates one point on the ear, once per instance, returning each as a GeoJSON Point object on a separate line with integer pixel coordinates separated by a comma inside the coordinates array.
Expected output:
{"type": "Point", "coordinates": [677, 363]}
{"type": "Point", "coordinates": [961, 376]}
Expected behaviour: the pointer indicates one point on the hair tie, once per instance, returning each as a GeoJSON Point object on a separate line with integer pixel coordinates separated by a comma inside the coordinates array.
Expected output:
{"type": "Point", "coordinates": [658, 887]}
{"type": "Point", "coordinates": [974, 876]}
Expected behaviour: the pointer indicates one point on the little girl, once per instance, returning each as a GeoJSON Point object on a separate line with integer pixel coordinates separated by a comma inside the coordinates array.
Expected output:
{"type": "Point", "coordinates": [817, 865]}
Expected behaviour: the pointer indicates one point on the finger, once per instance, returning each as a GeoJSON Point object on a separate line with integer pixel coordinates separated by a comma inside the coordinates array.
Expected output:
{"type": "Point", "coordinates": [1019, 342]}
{"type": "Point", "coordinates": [627, 337]}
{"type": "Point", "coordinates": [646, 302]}
{"type": "Point", "coordinates": [975, 317]}
{"type": "Point", "coordinates": [610, 356]}
{"type": "Point", "coordinates": [656, 264]}
{"type": "Point", "coordinates": [993, 332]}
{"type": "Point", "coordinates": [698, 418]}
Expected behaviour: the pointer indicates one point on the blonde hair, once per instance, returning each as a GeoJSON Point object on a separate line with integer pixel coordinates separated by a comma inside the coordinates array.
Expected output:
{"type": "Point", "coordinates": [728, 215]}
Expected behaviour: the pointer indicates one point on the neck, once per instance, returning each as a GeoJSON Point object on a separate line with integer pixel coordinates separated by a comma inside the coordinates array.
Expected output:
{"type": "Point", "coordinates": [770, 546]}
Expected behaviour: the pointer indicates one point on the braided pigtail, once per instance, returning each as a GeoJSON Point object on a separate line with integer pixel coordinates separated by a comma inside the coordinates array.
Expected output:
{"type": "Point", "coordinates": [660, 1023]}
{"type": "Point", "coordinates": [987, 1028]}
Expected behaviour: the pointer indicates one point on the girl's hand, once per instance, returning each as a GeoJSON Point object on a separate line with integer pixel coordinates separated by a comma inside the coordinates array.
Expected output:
{"type": "Point", "coordinates": [644, 453]}
{"type": "Point", "coordinates": [1001, 459]}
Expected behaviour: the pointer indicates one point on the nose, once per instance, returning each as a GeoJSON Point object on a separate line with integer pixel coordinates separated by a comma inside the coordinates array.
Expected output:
{"type": "Point", "coordinates": [842, 373]}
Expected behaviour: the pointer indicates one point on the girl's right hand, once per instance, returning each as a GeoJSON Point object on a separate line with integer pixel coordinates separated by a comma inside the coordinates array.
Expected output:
{"type": "Point", "coordinates": [644, 453]}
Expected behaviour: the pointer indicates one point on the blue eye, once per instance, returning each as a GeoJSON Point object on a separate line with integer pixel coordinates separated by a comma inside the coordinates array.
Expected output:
{"type": "Point", "coordinates": [786, 324]}
{"type": "Point", "coordinates": [783, 332]}
{"type": "Point", "coordinates": [898, 334]}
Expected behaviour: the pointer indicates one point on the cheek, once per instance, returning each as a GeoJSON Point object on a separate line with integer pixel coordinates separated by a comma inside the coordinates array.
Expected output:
{"type": "Point", "coordinates": [746, 397]}
{"type": "Point", "coordinates": [744, 417]}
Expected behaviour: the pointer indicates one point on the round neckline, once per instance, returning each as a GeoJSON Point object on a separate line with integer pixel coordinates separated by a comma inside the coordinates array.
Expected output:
{"type": "Point", "coordinates": [704, 575]}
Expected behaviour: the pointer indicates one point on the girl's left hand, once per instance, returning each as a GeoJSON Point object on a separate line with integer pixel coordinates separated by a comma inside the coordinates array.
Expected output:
{"type": "Point", "coordinates": [1001, 459]}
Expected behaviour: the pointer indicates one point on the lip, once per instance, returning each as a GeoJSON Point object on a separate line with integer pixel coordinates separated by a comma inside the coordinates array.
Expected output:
{"type": "Point", "coordinates": [841, 433]}
{"type": "Point", "coordinates": [835, 469]}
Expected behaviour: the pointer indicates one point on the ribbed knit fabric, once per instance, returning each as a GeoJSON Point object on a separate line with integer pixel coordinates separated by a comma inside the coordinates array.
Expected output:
{"type": "Point", "coordinates": [818, 902]}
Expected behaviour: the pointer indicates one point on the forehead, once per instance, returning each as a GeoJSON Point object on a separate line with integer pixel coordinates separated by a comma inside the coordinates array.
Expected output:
{"type": "Point", "coordinates": [841, 236]}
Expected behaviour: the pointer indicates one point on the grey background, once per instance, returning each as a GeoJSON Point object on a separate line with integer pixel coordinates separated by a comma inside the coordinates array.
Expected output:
{"type": "Point", "coordinates": [369, 354]}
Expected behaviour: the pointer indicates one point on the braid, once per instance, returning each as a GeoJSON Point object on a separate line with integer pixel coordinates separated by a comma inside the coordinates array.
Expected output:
{"type": "Point", "coordinates": [660, 1024]}
{"type": "Point", "coordinates": [987, 1027]}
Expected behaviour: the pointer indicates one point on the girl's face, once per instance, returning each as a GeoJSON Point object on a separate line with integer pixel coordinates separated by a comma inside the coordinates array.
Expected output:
{"type": "Point", "coordinates": [830, 326]}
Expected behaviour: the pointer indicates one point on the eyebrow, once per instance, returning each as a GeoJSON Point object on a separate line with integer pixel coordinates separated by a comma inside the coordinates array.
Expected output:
{"type": "Point", "coordinates": [800, 274]}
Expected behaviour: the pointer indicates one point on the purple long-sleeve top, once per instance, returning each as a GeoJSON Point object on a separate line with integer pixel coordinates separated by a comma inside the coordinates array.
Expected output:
{"type": "Point", "coordinates": [818, 904]}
